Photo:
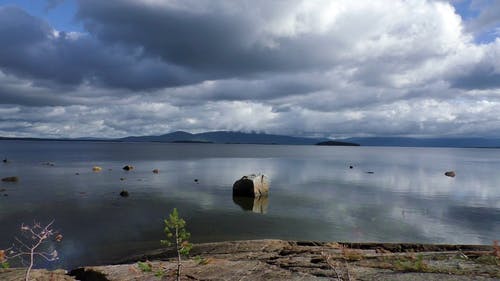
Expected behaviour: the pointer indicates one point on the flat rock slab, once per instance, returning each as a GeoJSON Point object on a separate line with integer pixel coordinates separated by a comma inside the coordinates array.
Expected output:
{"type": "Point", "coordinates": [17, 274]}
{"type": "Point", "coordinates": [295, 260]}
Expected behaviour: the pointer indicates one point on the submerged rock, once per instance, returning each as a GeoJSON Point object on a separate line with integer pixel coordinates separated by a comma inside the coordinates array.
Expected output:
{"type": "Point", "coordinates": [251, 186]}
{"type": "Point", "coordinates": [450, 174]}
{"type": "Point", "coordinates": [10, 179]}
{"type": "Point", "coordinates": [124, 193]}
{"type": "Point", "coordinates": [128, 168]}
{"type": "Point", "coordinates": [156, 171]}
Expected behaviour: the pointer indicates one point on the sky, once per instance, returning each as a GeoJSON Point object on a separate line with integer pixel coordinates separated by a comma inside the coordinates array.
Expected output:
{"type": "Point", "coordinates": [324, 68]}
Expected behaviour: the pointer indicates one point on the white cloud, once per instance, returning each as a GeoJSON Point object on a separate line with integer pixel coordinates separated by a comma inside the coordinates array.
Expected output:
{"type": "Point", "coordinates": [340, 68]}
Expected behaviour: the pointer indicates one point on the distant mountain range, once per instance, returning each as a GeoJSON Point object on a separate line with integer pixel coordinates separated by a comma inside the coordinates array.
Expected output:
{"type": "Point", "coordinates": [256, 138]}
{"type": "Point", "coordinates": [426, 142]}
{"type": "Point", "coordinates": [225, 137]}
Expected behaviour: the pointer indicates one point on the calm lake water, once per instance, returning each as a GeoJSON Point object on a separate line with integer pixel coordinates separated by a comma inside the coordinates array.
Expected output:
{"type": "Point", "coordinates": [313, 195]}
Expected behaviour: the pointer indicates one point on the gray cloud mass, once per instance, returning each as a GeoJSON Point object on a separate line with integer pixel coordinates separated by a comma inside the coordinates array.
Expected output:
{"type": "Point", "coordinates": [322, 68]}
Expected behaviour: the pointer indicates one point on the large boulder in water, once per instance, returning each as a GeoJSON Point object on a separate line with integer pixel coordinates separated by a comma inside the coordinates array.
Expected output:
{"type": "Point", "coordinates": [251, 186]}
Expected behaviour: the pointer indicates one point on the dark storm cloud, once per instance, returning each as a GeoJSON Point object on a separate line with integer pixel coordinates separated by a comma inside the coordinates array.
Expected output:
{"type": "Point", "coordinates": [32, 49]}
{"type": "Point", "coordinates": [483, 76]}
{"type": "Point", "coordinates": [219, 38]}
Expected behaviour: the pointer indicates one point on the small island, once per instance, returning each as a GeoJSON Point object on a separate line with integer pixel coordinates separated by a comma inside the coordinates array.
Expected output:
{"type": "Point", "coordinates": [337, 143]}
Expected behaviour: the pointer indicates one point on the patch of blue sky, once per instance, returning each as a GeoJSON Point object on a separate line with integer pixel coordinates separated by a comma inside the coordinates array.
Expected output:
{"type": "Point", "coordinates": [488, 36]}
{"type": "Point", "coordinates": [60, 16]}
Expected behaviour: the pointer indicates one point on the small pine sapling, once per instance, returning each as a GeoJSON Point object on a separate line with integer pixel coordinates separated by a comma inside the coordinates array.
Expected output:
{"type": "Point", "coordinates": [31, 245]}
{"type": "Point", "coordinates": [177, 236]}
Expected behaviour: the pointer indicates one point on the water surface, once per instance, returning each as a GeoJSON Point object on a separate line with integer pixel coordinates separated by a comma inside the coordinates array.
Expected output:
{"type": "Point", "coordinates": [314, 195]}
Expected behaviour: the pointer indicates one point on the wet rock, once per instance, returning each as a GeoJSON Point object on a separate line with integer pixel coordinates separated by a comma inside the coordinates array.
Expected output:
{"type": "Point", "coordinates": [128, 168]}
{"type": "Point", "coordinates": [96, 169]}
{"type": "Point", "coordinates": [122, 179]}
{"type": "Point", "coordinates": [124, 193]}
{"type": "Point", "coordinates": [10, 179]}
{"type": "Point", "coordinates": [350, 167]}
{"type": "Point", "coordinates": [156, 171]}
{"type": "Point", "coordinates": [5, 160]}
{"type": "Point", "coordinates": [450, 174]}
{"type": "Point", "coordinates": [196, 180]}
{"type": "Point", "coordinates": [251, 186]}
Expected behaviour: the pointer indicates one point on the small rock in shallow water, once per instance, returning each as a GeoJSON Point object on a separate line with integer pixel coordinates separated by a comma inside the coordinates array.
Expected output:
{"type": "Point", "coordinates": [450, 174]}
{"type": "Point", "coordinates": [350, 167]}
{"type": "Point", "coordinates": [124, 193]}
{"type": "Point", "coordinates": [196, 180]}
{"type": "Point", "coordinates": [370, 172]}
{"type": "Point", "coordinates": [11, 179]}
{"type": "Point", "coordinates": [128, 168]}
{"type": "Point", "coordinates": [156, 171]}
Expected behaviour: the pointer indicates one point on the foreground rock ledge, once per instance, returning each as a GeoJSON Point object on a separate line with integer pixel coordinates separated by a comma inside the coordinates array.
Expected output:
{"type": "Point", "coordinates": [292, 260]}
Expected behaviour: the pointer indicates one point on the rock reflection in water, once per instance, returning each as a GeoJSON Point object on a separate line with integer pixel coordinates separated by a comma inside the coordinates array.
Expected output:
{"type": "Point", "coordinates": [256, 205]}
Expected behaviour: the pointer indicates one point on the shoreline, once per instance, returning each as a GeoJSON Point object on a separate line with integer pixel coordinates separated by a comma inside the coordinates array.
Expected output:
{"type": "Point", "coordinates": [295, 260]}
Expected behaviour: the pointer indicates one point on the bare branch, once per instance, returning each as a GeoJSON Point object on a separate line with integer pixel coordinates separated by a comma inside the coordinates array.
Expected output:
{"type": "Point", "coordinates": [36, 236]}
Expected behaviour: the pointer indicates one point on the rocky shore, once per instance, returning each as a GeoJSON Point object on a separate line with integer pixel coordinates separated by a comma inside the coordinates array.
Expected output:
{"type": "Point", "coordinates": [294, 260]}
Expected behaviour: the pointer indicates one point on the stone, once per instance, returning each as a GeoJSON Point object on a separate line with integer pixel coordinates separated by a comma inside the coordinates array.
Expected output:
{"type": "Point", "coordinates": [96, 169]}
{"type": "Point", "coordinates": [128, 168]}
{"type": "Point", "coordinates": [156, 171]}
{"type": "Point", "coordinates": [450, 174]}
{"type": "Point", "coordinates": [10, 179]}
{"type": "Point", "coordinates": [251, 186]}
{"type": "Point", "coordinates": [124, 193]}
